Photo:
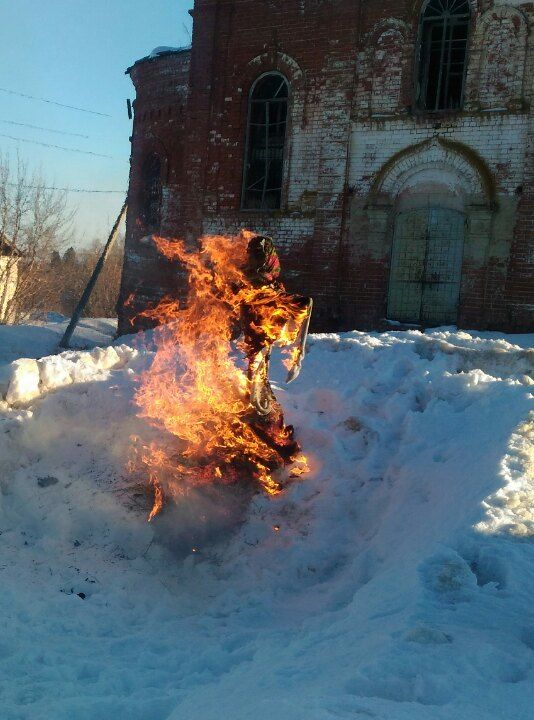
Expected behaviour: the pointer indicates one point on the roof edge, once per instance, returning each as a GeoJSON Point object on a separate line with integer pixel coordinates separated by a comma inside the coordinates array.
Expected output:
{"type": "Point", "coordinates": [158, 53]}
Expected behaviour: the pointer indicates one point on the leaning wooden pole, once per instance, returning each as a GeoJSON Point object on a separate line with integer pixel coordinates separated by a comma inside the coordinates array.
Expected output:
{"type": "Point", "coordinates": [65, 340]}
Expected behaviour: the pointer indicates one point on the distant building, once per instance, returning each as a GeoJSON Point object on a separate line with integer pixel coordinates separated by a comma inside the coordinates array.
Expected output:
{"type": "Point", "coordinates": [9, 275]}
{"type": "Point", "coordinates": [386, 146]}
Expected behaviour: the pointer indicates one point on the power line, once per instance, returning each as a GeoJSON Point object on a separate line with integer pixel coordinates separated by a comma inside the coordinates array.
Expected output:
{"type": "Point", "coordinates": [53, 102]}
{"type": "Point", "coordinates": [83, 190]}
{"type": "Point", "coordinates": [38, 127]}
{"type": "Point", "coordinates": [68, 190]}
{"type": "Point", "coordinates": [57, 147]}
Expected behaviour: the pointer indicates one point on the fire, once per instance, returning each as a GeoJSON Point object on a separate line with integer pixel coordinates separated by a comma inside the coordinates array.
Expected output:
{"type": "Point", "coordinates": [158, 499]}
{"type": "Point", "coordinates": [199, 387]}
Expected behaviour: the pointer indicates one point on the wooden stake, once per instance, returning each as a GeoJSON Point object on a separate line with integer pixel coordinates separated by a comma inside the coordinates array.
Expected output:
{"type": "Point", "coordinates": [65, 340]}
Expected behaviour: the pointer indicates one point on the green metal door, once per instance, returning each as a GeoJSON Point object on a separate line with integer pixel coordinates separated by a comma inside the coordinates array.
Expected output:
{"type": "Point", "coordinates": [426, 266]}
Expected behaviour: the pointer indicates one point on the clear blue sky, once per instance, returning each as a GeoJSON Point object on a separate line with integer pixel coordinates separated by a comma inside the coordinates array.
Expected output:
{"type": "Point", "coordinates": [75, 52]}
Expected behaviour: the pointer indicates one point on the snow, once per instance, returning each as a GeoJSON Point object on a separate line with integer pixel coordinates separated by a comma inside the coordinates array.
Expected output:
{"type": "Point", "coordinates": [40, 339]}
{"type": "Point", "coordinates": [27, 379]}
{"type": "Point", "coordinates": [395, 581]}
{"type": "Point", "coordinates": [164, 49]}
{"type": "Point", "coordinates": [26, 342]}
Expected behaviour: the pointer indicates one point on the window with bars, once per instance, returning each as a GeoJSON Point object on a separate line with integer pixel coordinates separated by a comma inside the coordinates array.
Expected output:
{"type": "Point", "coordinates": [266, 139]}
{"type": "Point", "coordinates": [443, 54]}
{"type": "Point", "coordinates": [151, 189]}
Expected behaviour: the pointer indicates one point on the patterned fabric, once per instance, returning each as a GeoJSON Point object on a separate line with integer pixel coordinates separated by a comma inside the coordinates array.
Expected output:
{"type": "Point", "coordinates": [264, 264]}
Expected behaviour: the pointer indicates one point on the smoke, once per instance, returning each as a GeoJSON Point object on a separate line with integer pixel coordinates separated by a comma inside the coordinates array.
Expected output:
{"type": "Point", "coordinates": [203, 518]}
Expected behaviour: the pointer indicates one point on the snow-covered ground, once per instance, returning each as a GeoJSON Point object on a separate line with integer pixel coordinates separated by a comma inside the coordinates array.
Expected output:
{"type": "Point", "coordinates": [40, 339]}
{"type": "Point", "coordinates": [395, 581]}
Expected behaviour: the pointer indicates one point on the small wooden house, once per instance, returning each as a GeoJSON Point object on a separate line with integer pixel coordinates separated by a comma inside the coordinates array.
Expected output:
{"type": "Point", "coordinates": [10, 257]}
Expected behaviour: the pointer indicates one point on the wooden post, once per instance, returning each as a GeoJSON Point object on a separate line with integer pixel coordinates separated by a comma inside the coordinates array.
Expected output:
{"type": "Point", "coordinates": [65, 340]}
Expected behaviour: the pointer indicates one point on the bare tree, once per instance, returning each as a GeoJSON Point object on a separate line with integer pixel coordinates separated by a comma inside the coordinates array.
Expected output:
{"type": "Point", "coordinates": [34, 222]}
{"type": "Point", "coordinates": [103, 300]}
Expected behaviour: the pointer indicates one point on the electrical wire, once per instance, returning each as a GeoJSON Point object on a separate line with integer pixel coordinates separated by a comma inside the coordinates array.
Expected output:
{"type": "Point", "coordinates": [68, 190]}
{"type": "Point", "coordinates": [38, 127]}
{"type": "Point", "coordinates": [57, 147]}
{"type": "Point", "coordinates": [53, 102]}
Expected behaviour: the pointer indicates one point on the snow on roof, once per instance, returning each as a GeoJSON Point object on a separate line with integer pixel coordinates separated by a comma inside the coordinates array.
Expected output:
{"type": "Point", "coordinates": [160, 51]}
{"type": "Point", "coordinates": [164, 49]}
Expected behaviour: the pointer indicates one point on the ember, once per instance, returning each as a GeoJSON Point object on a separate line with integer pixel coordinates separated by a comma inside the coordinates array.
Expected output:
{"type": "Point", "coordinates": [208, 386]}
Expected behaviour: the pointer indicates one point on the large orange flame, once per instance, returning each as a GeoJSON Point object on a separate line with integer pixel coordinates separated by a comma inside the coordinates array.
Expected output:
{"type": "Point", "coordinates": [197, 389]}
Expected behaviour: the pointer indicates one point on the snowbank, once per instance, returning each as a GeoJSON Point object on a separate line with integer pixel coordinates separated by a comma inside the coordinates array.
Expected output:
{"type": "Point", "coordinates": [27, 379]}
{"type": "Point", "coordinates": [40, 339]}
{"type": "Point", "coordinates": [393, 582]}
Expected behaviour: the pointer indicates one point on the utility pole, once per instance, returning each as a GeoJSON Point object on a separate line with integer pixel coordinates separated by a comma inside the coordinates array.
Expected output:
{"type": "Point", "coordinates": [65, 340]}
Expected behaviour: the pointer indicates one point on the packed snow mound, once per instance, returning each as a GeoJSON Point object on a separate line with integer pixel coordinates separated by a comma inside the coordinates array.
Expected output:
{"type": "Point", "coordinates": [40, 339]}
{"type": "Point", "coordinates": [27, 379]}
{"type": "Point", "coordinates": [392, 582]}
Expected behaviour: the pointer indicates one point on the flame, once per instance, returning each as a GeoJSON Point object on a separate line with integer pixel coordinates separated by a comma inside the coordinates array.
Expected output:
{"type": "Point", "coordinates": [198, 388]}
{"type": "Point", "coordinates": [158, 498]}
{"type": "Point", "coordinates": [300, 467]}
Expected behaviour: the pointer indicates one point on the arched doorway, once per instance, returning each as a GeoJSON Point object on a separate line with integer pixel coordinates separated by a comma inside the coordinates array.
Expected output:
{"type": "Point", "coordinates": [431, 211]}
{"type": "Point", "coordinates": [426, 266]}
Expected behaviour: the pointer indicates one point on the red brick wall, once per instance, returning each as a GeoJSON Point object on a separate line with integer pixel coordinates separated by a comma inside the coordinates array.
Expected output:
{"type": "Point", "coordinates": [350, 67]}
{"type": "Point", "coordinates": [520, 283]}
{"type": "Point", "coordinates": [162, 87]}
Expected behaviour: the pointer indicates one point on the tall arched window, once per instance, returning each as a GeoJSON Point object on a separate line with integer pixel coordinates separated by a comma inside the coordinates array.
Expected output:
{"type": "Point", "coordinates": [151, 191]}
{"type": "Point", "coordinates": [266, 137]}
{"type": "Point", "coordinates": [443, 54]}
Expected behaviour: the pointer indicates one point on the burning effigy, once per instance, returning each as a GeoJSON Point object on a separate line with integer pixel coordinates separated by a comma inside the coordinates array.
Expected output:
{"type": "Point", "coordinates": [208, 388]}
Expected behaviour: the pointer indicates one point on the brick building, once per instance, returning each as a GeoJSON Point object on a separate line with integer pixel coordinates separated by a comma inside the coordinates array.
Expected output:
{"type": "Point", "coordinates": [386, 146]}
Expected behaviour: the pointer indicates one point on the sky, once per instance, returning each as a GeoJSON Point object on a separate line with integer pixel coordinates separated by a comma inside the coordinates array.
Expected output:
{"type": "Point", "coordinates": [75, 52]}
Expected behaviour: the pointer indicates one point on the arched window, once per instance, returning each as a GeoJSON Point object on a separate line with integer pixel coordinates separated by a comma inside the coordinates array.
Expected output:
{"type": "Point", "coordinates": [266, 137]}
{"type": "Point", "coordinates": [151, 191]}
{"type": "Point", "coordinates": [443, 54]}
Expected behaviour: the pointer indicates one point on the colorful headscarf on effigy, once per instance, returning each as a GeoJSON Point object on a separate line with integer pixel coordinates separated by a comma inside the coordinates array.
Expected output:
{"type": "Point", "coordinates": [263, 259]}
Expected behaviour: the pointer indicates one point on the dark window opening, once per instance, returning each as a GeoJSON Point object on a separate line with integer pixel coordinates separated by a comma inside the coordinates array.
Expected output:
{"type": "Point", "coordinates": [266, 137]}
{"type": "Point", "coordinates": [151, 189]}
{"type": "Point", "coordinates": [443, 54]}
